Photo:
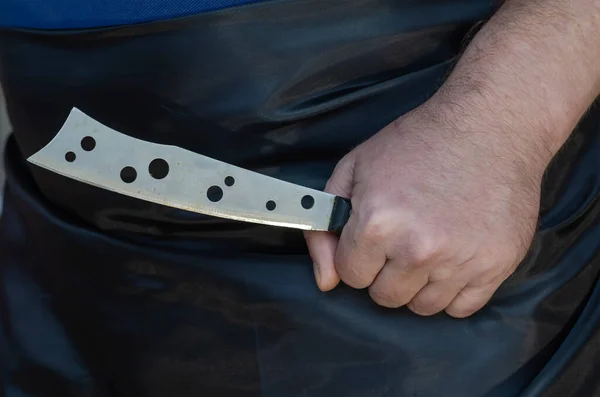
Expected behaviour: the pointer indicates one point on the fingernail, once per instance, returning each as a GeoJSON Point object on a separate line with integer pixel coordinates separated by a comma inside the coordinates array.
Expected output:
{"type": "Point", "coordinates": [317, 271]}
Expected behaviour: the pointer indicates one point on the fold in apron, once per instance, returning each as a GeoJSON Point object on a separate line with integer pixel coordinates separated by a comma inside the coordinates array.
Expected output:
{"type": "Point", "coordinates": [105, 295]}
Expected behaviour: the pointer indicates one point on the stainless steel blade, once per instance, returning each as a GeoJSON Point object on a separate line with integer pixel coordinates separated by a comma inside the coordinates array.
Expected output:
{"type": "Point", "coordinates": [90, 152]}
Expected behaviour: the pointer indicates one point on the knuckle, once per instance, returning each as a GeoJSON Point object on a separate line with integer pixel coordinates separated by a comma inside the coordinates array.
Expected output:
{"type": "Point", "coordinates": [353, 274]}
{"type": "Point", "coordinates": [441, 273]}
{"type": "Point", "coordinates": [354, 278]}
{"type": "Point", "coordinates": [422, 246]}
{"type": "Point", "coordinates": [494, 272]}
{"type": "Point", "coordinates": [386, 298]}
{"type": "Point", "coordinates": [426, 306]}
{"type": "Point", "coordinates": [335, 185]}
{"type": "Point", "coordinates": [464, 308]}
{"type": "Point", "coordinates": [375, 225]}
{"type": "Point", "coordinates": [338, 182]}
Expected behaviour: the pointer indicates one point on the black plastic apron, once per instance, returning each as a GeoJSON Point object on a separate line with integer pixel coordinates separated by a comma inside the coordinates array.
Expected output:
{"type": "Point", "coordinates": [104, 295]}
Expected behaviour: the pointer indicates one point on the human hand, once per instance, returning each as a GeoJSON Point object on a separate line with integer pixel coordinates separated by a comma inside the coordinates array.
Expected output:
{"type": "Point", "coordinates": [446, 199]}
{"type": "Point", "coordinates": [444, 209]}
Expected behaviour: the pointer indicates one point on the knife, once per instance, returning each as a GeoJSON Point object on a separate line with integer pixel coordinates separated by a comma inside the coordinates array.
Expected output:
{"type": "Point", "coordinates": [91, 152]}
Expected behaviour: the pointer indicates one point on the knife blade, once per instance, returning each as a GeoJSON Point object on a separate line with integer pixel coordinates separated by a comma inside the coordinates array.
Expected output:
{"type": "Point", "coordinates": [90, 152]}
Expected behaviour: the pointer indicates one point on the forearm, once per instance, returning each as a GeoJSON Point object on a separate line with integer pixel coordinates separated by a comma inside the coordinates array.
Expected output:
{"type": "Point", "coordinates": [533, 70]}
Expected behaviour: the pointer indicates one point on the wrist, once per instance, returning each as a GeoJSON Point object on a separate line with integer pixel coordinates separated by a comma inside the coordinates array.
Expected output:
{"type": "Point", "coordinates": [497, 126]}
{"type": "Point", "coordinates": [519, 86]}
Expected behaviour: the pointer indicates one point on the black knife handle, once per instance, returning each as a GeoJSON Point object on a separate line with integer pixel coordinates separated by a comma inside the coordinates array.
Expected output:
{"type": "Point", "coordinates": [342, 208]}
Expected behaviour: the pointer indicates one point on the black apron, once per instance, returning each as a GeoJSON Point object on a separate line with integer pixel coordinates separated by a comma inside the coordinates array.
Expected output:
{"type": "Point", "coordinates": [105, 295]}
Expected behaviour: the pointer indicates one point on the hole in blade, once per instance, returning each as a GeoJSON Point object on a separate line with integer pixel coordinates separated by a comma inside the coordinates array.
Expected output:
{"type": "Point", "coordinates": [158, 168]}
{"type": "Point", "coordinates": [88, 143]}
{"type": "Point", "coordinates": [70, 157]}
{"type": "Point", "coordinates": [307, 202]}
{"type": "Point", "coordinates": [271, 205]}
{"type": "Point", "coordinates": [214, 193]}
{"type": "Point", "coordinates": [229, 181]}
{"type": "Point", "coordinates": [128, 174]}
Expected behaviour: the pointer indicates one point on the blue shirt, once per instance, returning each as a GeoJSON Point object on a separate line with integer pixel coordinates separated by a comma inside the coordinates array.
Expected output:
{"type": "Point", "coordinates": [73, 14]}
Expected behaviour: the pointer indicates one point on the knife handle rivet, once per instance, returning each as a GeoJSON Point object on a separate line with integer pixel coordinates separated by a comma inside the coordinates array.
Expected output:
{"type": "Point", "coordinates": [88, 143]}
{"type": "Point", "coordinates": [158, 168]}
{"type": "Point", "coordinates": [214, 193]}
{"type": "Point", "coordinates": [307, 202]}
{"type": "Point", "coordinates": [128, 174]}
{"type": "Point", "coordinates": [271, 205]}
{"type": "Point", "coordinates": [70, 157]}
{"type": "Point", "coordinates": [229, 181]}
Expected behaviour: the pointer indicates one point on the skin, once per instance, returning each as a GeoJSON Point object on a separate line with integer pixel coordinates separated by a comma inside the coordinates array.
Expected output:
{"type": "Point", "coordinates": [446, 198]}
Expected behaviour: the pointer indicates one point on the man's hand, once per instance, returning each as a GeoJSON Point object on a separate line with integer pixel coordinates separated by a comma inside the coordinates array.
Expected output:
{"type": "Point", "coordinates": [443, 212]}
{"type": "Point", "coordinates": [445, 200]}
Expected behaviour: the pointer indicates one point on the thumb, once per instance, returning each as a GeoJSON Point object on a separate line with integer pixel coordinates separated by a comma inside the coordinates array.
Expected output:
{"type": "Point", "coordinates": [323, 245]}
